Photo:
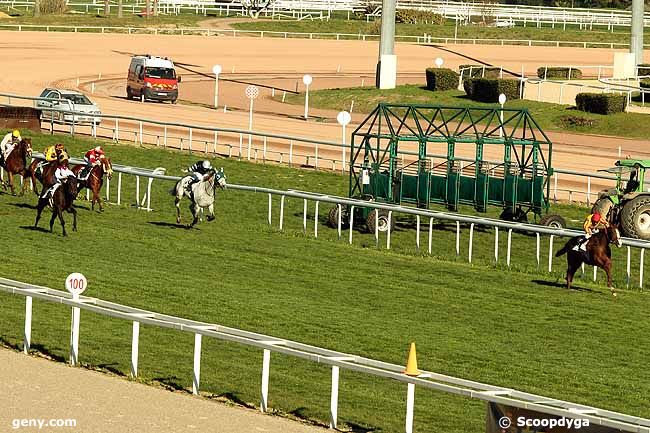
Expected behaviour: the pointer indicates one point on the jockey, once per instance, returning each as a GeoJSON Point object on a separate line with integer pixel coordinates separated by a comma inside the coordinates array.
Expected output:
{"type": "Point", "coordinates": [62, 170]}
{"type": "Point", "coordinates": [92, 158]}
{"type": "Point", "coordinates": [52, 153]}
{"type": "Point", "coordinates": [8, 142]}
{"type": "Point", "coordinates": [593, 223]}
{"type": "Point", "coordinates": [200, 171]}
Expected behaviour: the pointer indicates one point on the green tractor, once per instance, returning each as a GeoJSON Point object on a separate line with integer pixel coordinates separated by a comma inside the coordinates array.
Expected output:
{"type": "Point", "coordinates": [627, 205]}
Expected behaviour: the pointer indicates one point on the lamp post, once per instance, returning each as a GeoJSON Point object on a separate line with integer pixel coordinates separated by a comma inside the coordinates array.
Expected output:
{"type": "Point", "coordinates": [502, 100]}
{"type": "Point", "coordinates": [216, 69]}
{"type": "Point", "coordinates": [307, 79]}
{"type": "Point", "coordinates": [252, 92]}
{"type": "Point", "coordinates": [343, 118]}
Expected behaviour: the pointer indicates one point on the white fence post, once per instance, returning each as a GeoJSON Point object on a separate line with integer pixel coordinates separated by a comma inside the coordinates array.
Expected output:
{"type": "Point", "coordinates": [28, 324]}
{"type": "Point", "coordinates": [430, 233]}
{"type": "Point", "coordinates": [266, 362]}
{"type": "Point", "coordinates": [135, 338]}
{"type": "Point", "coordinates": [509, 247]}
{"type": "Point", "coordinates": [334, 398]}
{"type": "Point", "coordinates": [351, 222]}
{"type": "Point", "coordinates": [281, 212]}
{"type": "Point", "coordinates": [410, 402]}
{"type": "Point", "coordinates": [537, 249]}
{"type": "Point", "coordinates": [550, 253]}
{"type": "Point", "coordinates": [471, 242]}
{"type": "Point", "coordinates": [496, 244]}
{"type": "Point", "coordinates": [627, 281]}
{"type": "Point", "coordinates": [316, 219]}
{"type": "Point", "coordinates": [417, 232]}
{"type": "Point", "coordinates": [390, 216]}
{"type": "Point", "coordinates": [119, 188]}
{"type": "Point", "coordinates": [74, 334]}
{"type": "Point", "coordinates": [457, 238]}
{"type": "Point", "coordinates": [196, 378]}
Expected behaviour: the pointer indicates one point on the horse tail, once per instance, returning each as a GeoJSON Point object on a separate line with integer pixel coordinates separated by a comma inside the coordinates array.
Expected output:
{"type": "Point", "coordinates": [567, 247]}
{"type": "Point", "coordinates": [174, 190]}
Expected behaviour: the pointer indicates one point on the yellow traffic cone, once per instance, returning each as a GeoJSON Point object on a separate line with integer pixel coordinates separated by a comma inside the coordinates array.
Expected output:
{"type": "Point", "coordinates": [412, 363]}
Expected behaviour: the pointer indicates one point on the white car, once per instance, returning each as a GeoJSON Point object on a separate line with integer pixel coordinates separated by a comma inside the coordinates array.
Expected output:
{"type": "Point", "coordinates": [70, 100]}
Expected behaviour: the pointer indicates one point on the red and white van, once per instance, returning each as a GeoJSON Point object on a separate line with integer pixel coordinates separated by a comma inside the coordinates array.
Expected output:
{"type": "Point", "coordinates": [152, 78]}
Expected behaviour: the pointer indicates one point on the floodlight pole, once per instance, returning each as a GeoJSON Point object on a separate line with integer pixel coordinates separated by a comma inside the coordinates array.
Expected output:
{"type": "Point", "coordinates": [636, 40]}
{"type": "Point", "coordinates": [387, 66]}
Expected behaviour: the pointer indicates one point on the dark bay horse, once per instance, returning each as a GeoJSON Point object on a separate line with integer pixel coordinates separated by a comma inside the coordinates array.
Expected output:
{"type": "Point", "coordinates": [16, 163]}
{"type": "Point", "coordinates": [598, 254]}
{"type": "Point", "coordinates": [61, 200]}
{"type": "Point", "coordinates": [43, 171]}
{"type": "Point", "coordinates": [95, 179]}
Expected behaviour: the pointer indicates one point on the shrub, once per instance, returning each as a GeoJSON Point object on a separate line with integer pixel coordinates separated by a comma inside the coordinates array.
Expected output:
{"type": "Point", "coordinates": [644, 69]}
{"type": "Point", "coordinates": [480, 71]}
{"type": "Point", "coordinates": [559, 72]}
{"type": "Point", "coordinates": [53, 7]}
{"type": "Point", "coordinates": [601, 103]}
{"type": "Point", "coordinates": [441, 79]}
{"type": "Point", "coordinates": [576, 121]}
{"type": "Point", "coordinates": [489, 89]}
{"type": "Point", "coordinates": [645, 84]}
{"type": "Point", "coordinates": [415, 16]}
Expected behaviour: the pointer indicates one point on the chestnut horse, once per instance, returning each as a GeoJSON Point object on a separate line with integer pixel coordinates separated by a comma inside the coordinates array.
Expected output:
{"type": "Point", "coordinates": [16, 163]}
{"type": "Point", "coordinates": [61, 200]}
{"type": "Point", "coordinates": [95, 179]}
{"type": "Point", "coordinates": [598, 253]}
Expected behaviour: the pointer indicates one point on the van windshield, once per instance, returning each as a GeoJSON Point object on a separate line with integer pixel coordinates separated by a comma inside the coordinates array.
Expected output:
{"type": "Point", "coordinates": [78, 99]}
{"type": "Point", "coordinates": [165, 73]}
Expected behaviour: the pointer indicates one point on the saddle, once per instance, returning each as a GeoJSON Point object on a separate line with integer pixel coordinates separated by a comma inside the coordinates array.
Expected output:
{"type": "Point", "coordinates": [84, 174]}
{"type": "Point", "coordinates": [49, 194]}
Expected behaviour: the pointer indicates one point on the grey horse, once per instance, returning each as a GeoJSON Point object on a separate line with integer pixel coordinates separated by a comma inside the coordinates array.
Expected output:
{"type": "Point", "coordinates": [201, 194]}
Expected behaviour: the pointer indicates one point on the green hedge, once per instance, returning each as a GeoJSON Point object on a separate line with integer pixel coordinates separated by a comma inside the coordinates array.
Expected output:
{"type": "Point", "coordinates": [414, 16]}
{"type": "Point", "coordinates": [477, 71]}
{"type": "Point", "coordinates": [559, 72]}
{"type": "Point", "coordinates": [645, 84]}
{"type": "Point", "coordinates": [644, 69]}
{"type": "Point", "coordinates": [441, 79]}
{"type": "Point", "coordinates": [601, 103]}
{"type": "Point", "coordinates": [489, 89]}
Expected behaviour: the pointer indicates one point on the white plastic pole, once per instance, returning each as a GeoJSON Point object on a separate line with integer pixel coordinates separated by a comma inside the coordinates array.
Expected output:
{"type": "Point", "coordinates": [316, 219]}
{"type": "Point", "coordinates": [509, 247]}
{"type": "Point", "coordinates": [334, 398]}
{"type": "Point", "coordinates": [343, 149]}
{"type": "Point", "coordinates": [250, 127]}
{"type": "Point", "coordinates": [304, 216]}
{"type": "Point", "coordinates": [410, 402]}
{"type": "Point", "coordinates": [641, 268]}
{"type": "Point", "coordinates": [281, 212]}
{"type": "Point", "coordinates": [306, 101]}
{"type": "Point", "coordinates": [471, 242]}
{"type": "Point", "coordinates": [134, 349]}
{"type": "Point", "coordinates": [216, 91]}
{"type": "Point", "coordinates": [496, 244]}
{"type": "Point", "coordinates": [351, 222]}
{"type": "Point", "coordinates": [338, 219]}
{"type": "Point", "coordinates": [390, 216]}
{"type": "Point", "coordinates": [266, 362]}
{"type": "Point", "coordinates": [629, 252]}
{"type": "Point", "coordinates": [74, 334]}
{"type": "Point", "coordinates": [270, 203]}
{"type": "Point", "coordinates": [457, 238]}
{"type": "Point", "coordinates": [417, 232]}
{"type": "Point", "coordinates": [28, 324]}
{"type": "Point", "coordinates": [196, 378]}
{"type": "Point", "coordinates": [537, 249]}
{"type": "Point", "coordinates": [550, 253]}
{"type": "Point", "coordinates": [430, 233]}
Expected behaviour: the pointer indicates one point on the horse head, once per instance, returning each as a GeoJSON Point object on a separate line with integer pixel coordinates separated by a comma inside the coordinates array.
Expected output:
{"type": "Point", "coordinates": [614, 235]}
{"type": "Point", "coordinates": [221, 179]}
{"type": "Point", "coordinates": [26, 143]}
{"type": "Point", "coordinates": [107, 166]}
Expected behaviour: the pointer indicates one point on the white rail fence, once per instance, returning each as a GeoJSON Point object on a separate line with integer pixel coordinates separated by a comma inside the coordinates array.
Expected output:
{"type": "Point", "coordinates": [267, 147]}
{"type": "Point", "coordinates": [336, 360]}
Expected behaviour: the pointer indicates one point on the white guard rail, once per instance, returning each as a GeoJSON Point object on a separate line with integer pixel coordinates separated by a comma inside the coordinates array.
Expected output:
{"type": "Point", "coordinates": [336, 360]}
{"type": "Point", "coordinates": [256, 145]}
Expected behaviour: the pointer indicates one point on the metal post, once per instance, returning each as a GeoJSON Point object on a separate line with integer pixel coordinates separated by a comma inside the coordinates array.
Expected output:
{"type": "Point", "coordinates": [316, 219]}
{"type": "Point", "coordinates": [281, 212]}
{"type": "Point", "coordinates": [410, 402]}
{"type": "Point", "coordinates": [334, 398]}
{"type": "Point", "coordinates": [387, 66]}
{"type": "Point", "coordinates": [471, 241]}
{"type": "Point", "coordinates": [27, 342]}
{"type": "Point", "coordinates": [641, 268]}
{"type": "Point", "coordinates": [595, 272]}
{"type": "Point", "coordinates": [636, 39]}
{"type": "Point", "coordinates": [338, 222]}
{"type": "Point", "coordinates": [417, 232]}
{"type": "Point", "coordinates": [537, 249]}
{"type": "Point", "coordinates": [496, 244]}
{"type": "Point", "coordinates": [629, 252]}
{"type": "Point", "coordinates": [135, 338]}
{"type": "Point", "coordinates": [457, 238]}
{"type": "Point", "coordinates": [509, 247]}
{"type": "Point", "coordinates": [270, 202]}
{"type": "Point", "coordinates": [304, 216]}
{"type": "Point", "coordinates": [265, 380]}
{"type": "Point", "coordinates": [390, 215]}
{"type": "Point", "coordinates": [137, 191]}
{"type": "Point", "coordinates": [376, 211]}
{"type": "Point", "coordinates": [550, 253]}
{"type": "Point", "coordinates": [430, 233]}
{"type": "Point", "coordinates": [197, 364]}
{"type": "Point", "coordinates": [351, 222]}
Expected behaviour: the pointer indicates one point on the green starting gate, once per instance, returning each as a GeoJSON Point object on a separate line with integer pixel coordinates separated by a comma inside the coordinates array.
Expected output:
{"type": "Point", "coordinates": [424, 154]}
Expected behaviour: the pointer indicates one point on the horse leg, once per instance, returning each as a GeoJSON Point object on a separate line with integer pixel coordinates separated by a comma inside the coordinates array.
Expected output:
{"type": "Point", "coordinates": [52, 220]}
{"type": "Point", "coordinates": [32, 176]}
{"type": "Point", "coordinates": [177, 202]}
{"type": "Point", "coordinates": [11, 183]}
{"type": "Point", "coordinates": [59, 213]}
{"type": "Point", "coordinates": [210, 216]}
{"type": "Point", "coordinates": [572, 267]}
{"type": "Point", "coordinates": [73, 211]}
{"type": "Point", "coordinates": [39, 210]}
{"type": "Point", "coordinates": [607, 266]}
{"type": "Point", "coordinates": [194, 208]}
{"type": "Point", "coordinates": [97, 197]}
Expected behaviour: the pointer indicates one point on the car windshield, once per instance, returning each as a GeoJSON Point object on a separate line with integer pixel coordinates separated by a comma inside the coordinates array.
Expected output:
{"type": "Point", "coordinates": [78, 99]}
{"type": "Point", "coordinates": [165, 73]}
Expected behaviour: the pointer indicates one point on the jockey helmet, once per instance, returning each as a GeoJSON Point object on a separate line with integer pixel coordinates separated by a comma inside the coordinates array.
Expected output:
{"type": "Point", "coordinates": [15, 133]}
{"type": "Point", "coordinates": [596, 217]}
{"type": "Point", "coordinates": [58, 146]}
{"type": "Point", "coordinates": [207, 165]}
{"type": "Point", "coordinates": [99, 149]}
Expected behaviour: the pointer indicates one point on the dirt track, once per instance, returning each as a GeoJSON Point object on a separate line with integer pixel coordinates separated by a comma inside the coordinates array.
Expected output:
{"type": "Point", "coordinates": [36, 388]}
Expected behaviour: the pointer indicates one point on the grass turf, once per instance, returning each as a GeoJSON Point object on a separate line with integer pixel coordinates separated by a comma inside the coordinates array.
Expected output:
{"type": "Point", "coordinates": [549, 116]}
{"type": "Point", "coordinates": [515, 328]}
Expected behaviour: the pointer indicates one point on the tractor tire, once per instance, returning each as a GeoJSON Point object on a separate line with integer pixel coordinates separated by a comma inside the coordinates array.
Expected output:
{"type": "Point", "coordinates": [333, 217]}
{"type": "Point", "coordinates": [553, 221]}
{"type": "Point", "coordinates": [603, 206]}
{"type": "Point", "coordinates": [635, 218]}
{"type": "Point", "coordinates": [383, 221]}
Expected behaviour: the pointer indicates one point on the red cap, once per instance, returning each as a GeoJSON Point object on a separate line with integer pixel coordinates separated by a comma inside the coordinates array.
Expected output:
{"type": "Point", "coordinates": [596, 217]}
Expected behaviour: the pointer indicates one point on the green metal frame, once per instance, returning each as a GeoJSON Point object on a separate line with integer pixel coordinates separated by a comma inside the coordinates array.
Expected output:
{"type": "Point", "coordinates": [377, 150]}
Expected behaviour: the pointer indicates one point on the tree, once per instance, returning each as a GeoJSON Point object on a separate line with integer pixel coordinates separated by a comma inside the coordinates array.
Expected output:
{"type": "Point", "coordinates": [255, 7]}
